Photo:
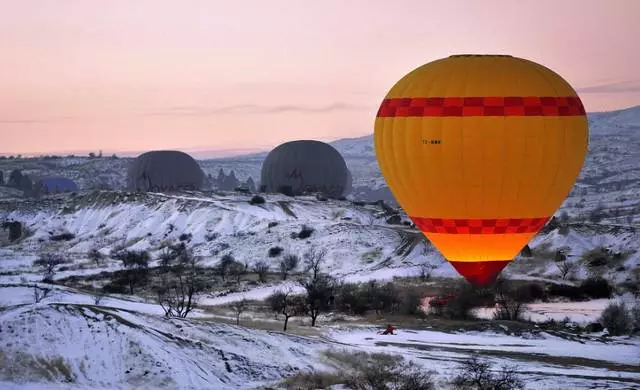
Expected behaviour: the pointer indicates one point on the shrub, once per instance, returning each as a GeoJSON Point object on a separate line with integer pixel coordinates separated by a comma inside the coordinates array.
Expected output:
{"type": "Point", "coordinates": [411, 302]}
{"type": "Point", "coordinates": [97, 298]}
{"type": "Point", "coordinates": [40, 293]}
{"type": "Point", "coordinates": [211, 236]}
{"type": "Point", "coordinates": [394, 220]}
{"type": "Point", "coordinates": [257, 199]}
{"type": "Point", "coordinates": [380, 371]}
{"type": "Point", "coordinates": [456, 304]}
{"type": "Point", "coordinates": [351, 298]}
{"type": "Point", "coordinates": [136, 265]}
{"type": "Point", "coordinates": [185, 237]}
{"type": "Point", "coordinates": [596, 287]}
{"type": "Point", "coordinates": [531, 292]}
{"type": "Point", "coordinates": [562, 290]}
{"type": "Point", "coordinates": [48, 263]}
{"type": "Point", "coordinates": [63, 237]}
{"type": "Point", "coordinates": [305, 232]}
{"type": "Point", "coordinates": [477, 374]}
{"type": "Point", "coordinates": [509, 310]}
{"type": "Point", "coordinates": [617, 319]}
{"type": "Point", "coordinates": [272, 224]}
{"type": "Point", "coordinates": [596, 257]}
{"type": "Point", "coordinates": [286, 304]}
{"type": "Point", "coordinates": [564, 230]}
{"type": "Point", "coordinates": [237, 270]}
{"type": "Point", "coordinates": [261, 269]}
{"type": "Point", "coordinates": [116, 286]}
{"type": "Point", "coordinates": [312, 380]}
{"type": "Point", "coordinates": [635, 314]}
{"type": "Point", "coordinates": [95, 256]}
{"type": "Point", "coordinates": [224, 265]}
{"type": "Point", "coordinates": [275, 251]}
{"type": "Point", "coordinates": [566, 268]}
{"type": "Point", "coordinates": [288, 264]}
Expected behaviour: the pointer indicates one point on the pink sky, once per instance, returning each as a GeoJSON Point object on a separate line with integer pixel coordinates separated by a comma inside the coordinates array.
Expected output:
{"type": "Point", "coordinates": [198, 75]}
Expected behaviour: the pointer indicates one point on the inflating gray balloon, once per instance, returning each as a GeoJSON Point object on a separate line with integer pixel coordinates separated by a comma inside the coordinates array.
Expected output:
{"type": "Point", "coordinates": [298, 167]}
{"type": "Point", "coordinates": [164, 170]}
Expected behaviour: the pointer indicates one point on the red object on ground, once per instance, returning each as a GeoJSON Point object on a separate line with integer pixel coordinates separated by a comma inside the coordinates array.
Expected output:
{"type": "Point", "coordinates": [389, 329]}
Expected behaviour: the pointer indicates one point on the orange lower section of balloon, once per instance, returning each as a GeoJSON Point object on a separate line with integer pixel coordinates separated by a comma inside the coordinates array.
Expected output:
{"type": "Point", "coordinates": [479, 248]}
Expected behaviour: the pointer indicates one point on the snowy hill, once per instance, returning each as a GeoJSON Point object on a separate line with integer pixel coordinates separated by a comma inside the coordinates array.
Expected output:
{"type": "Point", "coordinates": [615, 121]}
{"type": "Point", "coordinates": [357, 237]}
{"type": "Point", "coordinates": [120, 345]}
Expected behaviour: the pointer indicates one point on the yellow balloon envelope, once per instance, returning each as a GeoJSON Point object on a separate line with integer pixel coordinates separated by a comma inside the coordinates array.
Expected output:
{"type": "Point", "coordinates": [480, 151]}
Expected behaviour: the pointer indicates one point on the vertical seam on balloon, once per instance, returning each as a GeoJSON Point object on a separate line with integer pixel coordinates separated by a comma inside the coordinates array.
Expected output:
{"type": "Point", "coordinates": [405, 146]}
{"type": "Point", "coordinates": [390, 129]}
{"type": "Point", "coordinates": [503, 123]}
{"type": "Point", "coordinates": [436, 77]}
{"type": "Point", "coordinates": [394, 160]}
{"type": "Point", "coordinates": [544, 121]}
{"type": "Point", "coordinates": [519, 177]}
{"type": "Point", "coordinates": [564, 138]}
{"type": "Point", "coordinates": [440, 122]}
{"type": "Point", "coordinates": [463, 128]}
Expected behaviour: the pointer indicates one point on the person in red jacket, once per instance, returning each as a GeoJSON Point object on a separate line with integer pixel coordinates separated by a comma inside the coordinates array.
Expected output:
{"type": "Point", "coordinates": [389, 329]}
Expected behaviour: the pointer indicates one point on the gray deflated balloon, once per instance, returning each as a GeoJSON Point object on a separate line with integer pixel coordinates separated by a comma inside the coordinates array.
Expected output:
{"type": "Point", "coordinates": [164, 170]}
{"type": "Point", "coordinates": [298, 167]}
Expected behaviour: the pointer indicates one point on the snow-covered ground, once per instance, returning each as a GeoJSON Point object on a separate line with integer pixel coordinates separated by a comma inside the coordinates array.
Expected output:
{"type": "Point", "coordinates": [545, 361]}
{"type": "Point", "coordinates": [108, 346]}
{"type": "Point", "coordinates": [577, 312]}
{"type": "Point", "coordinates": [67, 342]}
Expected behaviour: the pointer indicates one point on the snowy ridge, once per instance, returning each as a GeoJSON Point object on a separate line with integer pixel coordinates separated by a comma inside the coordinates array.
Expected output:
{"type": "Point", "coordinates": [114, 348]}
{"type": "Point", "coordinates": [357, 239]}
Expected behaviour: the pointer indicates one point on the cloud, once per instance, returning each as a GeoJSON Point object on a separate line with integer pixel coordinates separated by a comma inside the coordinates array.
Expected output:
{"type": "Point", "coordinates": [620, 87]}
{"type": "Point", "coordinates": [255, 109]}
{"type": "Point", "coordinates": [32, 121]}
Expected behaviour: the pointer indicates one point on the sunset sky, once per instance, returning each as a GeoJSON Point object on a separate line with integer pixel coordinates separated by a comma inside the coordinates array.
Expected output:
{"type": "Point", "coordinates": [235, 76]}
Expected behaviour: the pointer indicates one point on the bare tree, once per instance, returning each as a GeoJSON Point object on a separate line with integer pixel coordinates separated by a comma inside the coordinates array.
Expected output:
{"type": "Point", "coordinates": [179, 285]}
{"type": "Point", "coordinates": [319, 286]}
{"type": "Point", "coordinates": [223, 266]}
{"type": "Point", "coordinates": [313, 261]}
{"type": "Point", "coordinates": [239, 307]}
{"type": "Point", "coordinates": [288, 264]}
{"type": "Point", "coordinates": [475, 373]}
{"type": "Point", "coordinates": [48, 263]}
{"type": "Point", "coordinates": [40, 293]}
{"type": "Point", "coordinates": [136, 264]}
{"type": "Point", "coordinates": [97, 298]}
{"type": "Point", "coordinates": [510, 301]}
{"type": "Point", "coordinates": [237, 270]}
{"type": "Point", "coordinates": [288, 305]}
{"type": "Point", "coordinates": [426, 270]}
{"type": "Point", "coordinates": [566, 268]}
{"type": "Point", "coordinates": [95, 256]}
{"type": "Point", "coordinates": [261, 269]}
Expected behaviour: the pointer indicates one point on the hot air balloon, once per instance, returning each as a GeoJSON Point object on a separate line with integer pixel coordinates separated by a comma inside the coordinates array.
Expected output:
{"type": "Point", "coordinates": [480, 151]}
